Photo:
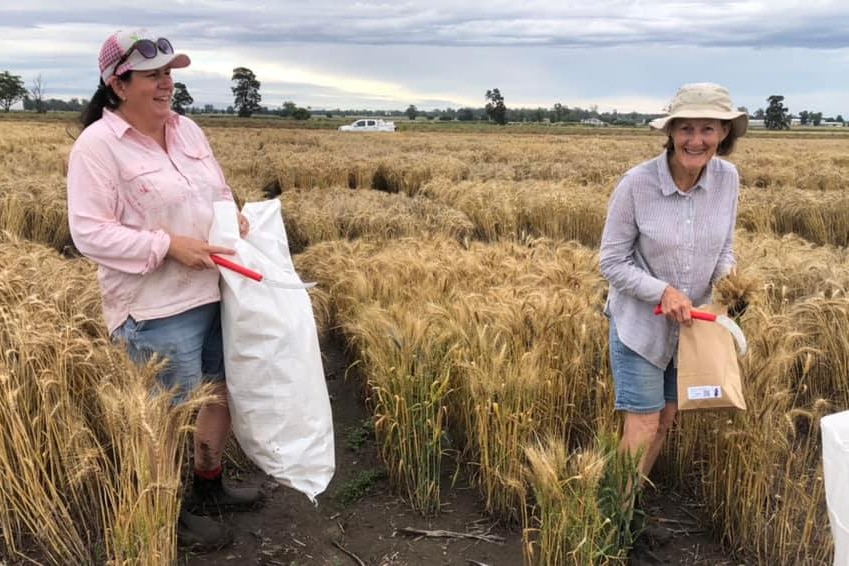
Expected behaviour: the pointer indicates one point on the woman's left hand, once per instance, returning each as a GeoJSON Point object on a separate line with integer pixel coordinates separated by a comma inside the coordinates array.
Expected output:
{"type": "Point", "coordinates": [244, 225]}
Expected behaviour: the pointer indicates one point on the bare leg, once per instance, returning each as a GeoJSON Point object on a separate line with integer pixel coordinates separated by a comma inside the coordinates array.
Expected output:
{"type": "Point", "coordinates": [211, 430]}
{"type": "Point", "coordinates": [644, 434]}
{"type": "Point", "coordinates": [210, 493]}
{"type": "Point", "coordinates": [212, 426]}
{"type": "Point", "coordinates": [652, 449]}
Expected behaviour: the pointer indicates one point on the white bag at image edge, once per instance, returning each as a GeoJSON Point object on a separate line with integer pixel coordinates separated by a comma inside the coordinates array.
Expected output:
{"type": "Point", "coordinates": [835, 464]}
{"type": "Point", "coordinates": [278, 397]}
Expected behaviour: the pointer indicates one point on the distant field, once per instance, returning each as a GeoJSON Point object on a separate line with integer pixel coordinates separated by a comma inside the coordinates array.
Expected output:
{"type": "Point", "coordinates": [320, 121]}
{"type": "Point", "coordinates": [459, 264]}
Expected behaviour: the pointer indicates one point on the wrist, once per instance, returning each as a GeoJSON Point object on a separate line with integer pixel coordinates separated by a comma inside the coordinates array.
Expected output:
{"type": "Point", "coordinates": [170, 240]}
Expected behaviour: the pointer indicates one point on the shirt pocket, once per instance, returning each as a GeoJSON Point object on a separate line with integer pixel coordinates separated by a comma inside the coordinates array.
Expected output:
{"type": "Point", "coordinates": [147, 187]}
{"type": "Point", "coordinates": [202, 172]}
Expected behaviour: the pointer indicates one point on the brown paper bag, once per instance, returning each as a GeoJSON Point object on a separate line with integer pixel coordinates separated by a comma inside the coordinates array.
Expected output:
{"type": "Point", "coordinates": [708, 372]}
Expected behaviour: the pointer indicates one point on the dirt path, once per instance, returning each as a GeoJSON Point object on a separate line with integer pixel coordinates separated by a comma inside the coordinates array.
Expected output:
{"type": "Point", "coordinates": [358, 516]}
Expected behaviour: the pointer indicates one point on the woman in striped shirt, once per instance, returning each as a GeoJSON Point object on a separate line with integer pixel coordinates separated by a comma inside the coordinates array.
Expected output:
{"type": "Point", "coordinates": [667, 238]}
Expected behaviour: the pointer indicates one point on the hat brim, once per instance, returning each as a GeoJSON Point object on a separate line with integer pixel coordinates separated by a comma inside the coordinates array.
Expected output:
{"type": "Point", "coordinates": [174, 60]}
{"type": "Point", "coordinates": [137, 62]}
{"type": "Point", "coordinates": [739, 120]}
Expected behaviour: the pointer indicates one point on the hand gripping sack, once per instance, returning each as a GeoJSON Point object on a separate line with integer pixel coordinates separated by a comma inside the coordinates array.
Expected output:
{"type": "Point", "coordinates": [278, 397]}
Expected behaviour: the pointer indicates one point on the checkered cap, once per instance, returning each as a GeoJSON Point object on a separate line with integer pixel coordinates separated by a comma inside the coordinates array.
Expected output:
{"type": "Point", "coordinates": [117, 44]}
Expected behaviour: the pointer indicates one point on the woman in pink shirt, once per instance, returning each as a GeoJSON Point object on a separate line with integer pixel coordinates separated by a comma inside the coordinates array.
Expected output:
{"type": "Point", "coordinates": [141, 185]}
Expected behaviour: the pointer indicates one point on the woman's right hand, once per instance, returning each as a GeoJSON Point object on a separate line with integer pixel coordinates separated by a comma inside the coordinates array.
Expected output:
{"type": "Point", "coordinates": [194, 253]}
{"type": "Point", "coordinates": [676, 306]}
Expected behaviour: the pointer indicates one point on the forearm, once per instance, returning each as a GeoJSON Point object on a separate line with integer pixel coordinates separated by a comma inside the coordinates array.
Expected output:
{"type": "Point", "coordinates": [119, 247]}
{"type": "Point", "coordinates": [726, 261]}
{"type": "Point", "coordinates": [618, 257]}
{"type": "Point", "coordinates": [618, 263]}
{"type": "Point", "coordinates": [630, 279]}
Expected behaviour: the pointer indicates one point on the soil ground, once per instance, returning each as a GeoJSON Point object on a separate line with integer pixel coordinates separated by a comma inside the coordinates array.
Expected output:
{"type": "Point", "coordinates": [358, 517]}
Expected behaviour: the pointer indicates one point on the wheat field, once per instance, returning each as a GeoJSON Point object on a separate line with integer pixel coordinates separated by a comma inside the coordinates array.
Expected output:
{"type": "Point", "coordinates": [461, 270]}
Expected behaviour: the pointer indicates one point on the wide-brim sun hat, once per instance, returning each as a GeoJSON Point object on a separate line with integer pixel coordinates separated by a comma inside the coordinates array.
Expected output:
{"type": "Point", "coordinates": [702, 100]}
{"type": "Point", "coordinates": [114, 51]}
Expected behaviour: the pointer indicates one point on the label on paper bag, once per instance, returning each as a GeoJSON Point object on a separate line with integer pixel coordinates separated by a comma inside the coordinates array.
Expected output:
{"type": "Point", "coordinates": [704, 392]}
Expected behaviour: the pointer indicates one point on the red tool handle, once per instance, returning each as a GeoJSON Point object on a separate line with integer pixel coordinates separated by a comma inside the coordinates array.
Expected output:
{"type": "Point", "coordinates": [218, 260]}
{"type": "Point", "coordinates": [699, 315]}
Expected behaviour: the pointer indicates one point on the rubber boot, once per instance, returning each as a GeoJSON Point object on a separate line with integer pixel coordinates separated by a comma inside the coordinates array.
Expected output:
{"type": "Point", "coordinates": [214, 496]}
{"type": "Point", "coordinates": [201, 534]}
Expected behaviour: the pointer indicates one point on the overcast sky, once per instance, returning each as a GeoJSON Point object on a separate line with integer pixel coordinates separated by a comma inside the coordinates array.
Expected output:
{"type": "Point", "coordinates": [628, 55]}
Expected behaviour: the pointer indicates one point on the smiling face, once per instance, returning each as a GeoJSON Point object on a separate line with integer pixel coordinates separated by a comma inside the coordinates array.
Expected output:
{"type": "Point", "coordinates": [695, 141]}
{"type": "Point", "coordinates": [146, 97]}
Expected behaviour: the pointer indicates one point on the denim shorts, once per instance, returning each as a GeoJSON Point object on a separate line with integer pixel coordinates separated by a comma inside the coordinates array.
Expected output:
{"type": "Point", "coordinates": [641, 387]}
{"type": "Point", "coordinates": [191, 342]}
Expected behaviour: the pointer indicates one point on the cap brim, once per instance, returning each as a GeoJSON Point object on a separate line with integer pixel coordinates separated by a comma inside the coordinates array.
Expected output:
{"type": "Point", "coordinates": [137, 62]}
{"type": "Point", "coordinates": [739, 120]}
{"type": "Point", "coordinates": [174, 60]}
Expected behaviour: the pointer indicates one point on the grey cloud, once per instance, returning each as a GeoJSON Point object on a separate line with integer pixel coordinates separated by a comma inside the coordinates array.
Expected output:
{"type": "Point", "coordinates": [275, 93]}
{"type": "Point", "coordinates": [439, 22]}
{"type": "Point", "coordinates": [535, 51]}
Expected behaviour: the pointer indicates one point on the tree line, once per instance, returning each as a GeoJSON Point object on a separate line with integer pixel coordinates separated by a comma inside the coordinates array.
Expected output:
{"type": "Point", "coordinates": [247, 102]}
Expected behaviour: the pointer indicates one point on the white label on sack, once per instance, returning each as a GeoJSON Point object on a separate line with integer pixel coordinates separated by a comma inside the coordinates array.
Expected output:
{"type": "Point", "coordinates": [704, 392]}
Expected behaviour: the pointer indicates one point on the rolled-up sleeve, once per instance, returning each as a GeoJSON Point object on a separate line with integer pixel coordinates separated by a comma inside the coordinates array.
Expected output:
{"type": "Point", "coordinates": [618, 248]}
{"type": "Point", "coordinates": [93, 217]}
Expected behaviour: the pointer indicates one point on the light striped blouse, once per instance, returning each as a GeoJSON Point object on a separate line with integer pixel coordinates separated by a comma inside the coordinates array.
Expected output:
{"type": "Point", "coordinates": [654, 236]}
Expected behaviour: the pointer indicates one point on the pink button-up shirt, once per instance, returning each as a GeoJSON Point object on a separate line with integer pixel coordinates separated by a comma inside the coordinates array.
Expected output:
{"type": "Point", "coordinates": [125, 196]}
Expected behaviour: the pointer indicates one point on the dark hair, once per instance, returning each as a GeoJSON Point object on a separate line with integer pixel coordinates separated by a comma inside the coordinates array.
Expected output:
{"type": "Point", "coordinates": [726, 146]}
{"type": "Point", "coordinates": [103, 97]}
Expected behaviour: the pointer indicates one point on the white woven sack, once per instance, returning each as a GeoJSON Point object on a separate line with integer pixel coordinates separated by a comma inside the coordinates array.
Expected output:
{"type": "Point", "coordinates": [278, 397]}
{"type": "Point", "coordinates": [835, 464]}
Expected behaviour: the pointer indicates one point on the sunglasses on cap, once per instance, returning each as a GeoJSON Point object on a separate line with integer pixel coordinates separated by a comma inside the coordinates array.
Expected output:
{"type": "Point", "coordinates": [148, 49]}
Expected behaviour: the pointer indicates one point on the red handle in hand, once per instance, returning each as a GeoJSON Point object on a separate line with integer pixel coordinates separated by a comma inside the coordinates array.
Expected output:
{"type": "Point", "coordinates": [699, 315]}
{"type": "Point", "coordinates": [218, 260]}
